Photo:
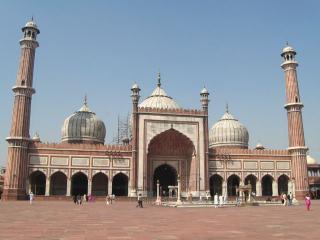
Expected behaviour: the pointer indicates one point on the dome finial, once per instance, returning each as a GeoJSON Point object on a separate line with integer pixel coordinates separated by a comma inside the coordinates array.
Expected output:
{"type": "Point", "coordinates": [159, 79]}
{"type": "Point", "coordinates": [287, 43]}
{"type": "Point", "coordinates": [227, 108]}
{"type": "Point", "coordinates": [85, 102]}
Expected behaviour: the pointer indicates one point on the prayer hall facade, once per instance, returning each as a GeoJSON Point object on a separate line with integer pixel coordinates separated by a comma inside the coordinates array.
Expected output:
{"type": "Point", "coordinates": [167, 143]}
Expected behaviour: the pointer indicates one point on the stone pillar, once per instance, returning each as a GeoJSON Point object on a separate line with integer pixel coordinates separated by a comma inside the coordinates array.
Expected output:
{"type": "Point", "coordinates": [258, 189]}
{"type": "Point", "coordinates": [110, 186]}
{"type": "Point", "coordinates": [47, 187]}
{"type": "Point", "coordinates": [224, 188]}
{"type": "Point", "coordinates": [274, 188]}
{"type": "Point", "coordinates": [135, 96]}
{"type": "Point", "coordinates": [179, 191]}
{"type": "Point", "coordinates": [68, 186]}
{"type": "Point", "coordinates": [89, 186]}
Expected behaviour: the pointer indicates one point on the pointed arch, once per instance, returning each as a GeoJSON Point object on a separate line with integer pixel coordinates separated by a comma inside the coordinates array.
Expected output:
{"type": "Point", "coordinates": [37, 180]}
{"type": "Point", "coordinates": [58, 183]}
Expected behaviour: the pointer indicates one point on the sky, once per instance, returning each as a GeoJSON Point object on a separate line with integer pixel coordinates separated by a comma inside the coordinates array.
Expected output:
{"type": "Point", "coordinates": [100, 48]}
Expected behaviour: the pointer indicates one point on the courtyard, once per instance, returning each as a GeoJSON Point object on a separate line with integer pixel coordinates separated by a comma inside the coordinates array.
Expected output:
{"type": "Point", "coordinates": [122, 220]}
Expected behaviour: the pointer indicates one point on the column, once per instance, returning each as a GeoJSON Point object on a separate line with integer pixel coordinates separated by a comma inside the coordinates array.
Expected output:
{"type": "Point", "coordinates": [274, 188]}
{"type": "Point", "coordinates": [47, 187]}
{"type": "Point", "coordinates": [258, 189]}
{"type": "Point", "coordinates": [68, 186]}
{"type": "Point", "coordinates": [110, 186]}
{"type": "Point", "coordinates": [224, 188]}
{"type": "Point", "coordinates": [89, 186]}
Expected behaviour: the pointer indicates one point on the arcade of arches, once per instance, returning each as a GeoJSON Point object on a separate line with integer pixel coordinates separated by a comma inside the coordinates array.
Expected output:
{"type": "Point", "coordinates": [171, 154]}
{"type": "Point", "coordinates": [57, 184]}
{"type": "Point", "coordinates": [267, 187]}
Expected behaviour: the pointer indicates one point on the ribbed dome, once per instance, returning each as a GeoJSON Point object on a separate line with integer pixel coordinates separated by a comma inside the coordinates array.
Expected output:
{"type": "Point", "coordinates": [228, 132]}
{"type": "Point", "coordinates": [159, 99]}
{"type": "Point", "coordinates": [83, 126]}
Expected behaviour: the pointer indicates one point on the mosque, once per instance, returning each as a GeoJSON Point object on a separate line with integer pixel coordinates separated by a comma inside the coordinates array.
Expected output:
{"type": "Point", "coordinates": [168, 143]}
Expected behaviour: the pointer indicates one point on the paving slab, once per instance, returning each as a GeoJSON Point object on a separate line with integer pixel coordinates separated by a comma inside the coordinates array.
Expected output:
{"type": "Point", "coordinates": [62, 220]}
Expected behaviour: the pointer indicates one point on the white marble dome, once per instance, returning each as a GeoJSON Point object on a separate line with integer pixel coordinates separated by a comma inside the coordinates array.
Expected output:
{"type": "Point", "coordinates": [311, 160]}
{"type": "Point", "coordinates": [159, 99]}
{"type": "Point", "coordinates": [83, 126]}
{"type": "Point", "coordinates": [228, 132]}
{"type": "Point", "coordinates": [288, 49]}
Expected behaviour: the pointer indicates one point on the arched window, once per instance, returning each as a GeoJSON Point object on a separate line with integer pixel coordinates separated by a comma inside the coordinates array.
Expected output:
{"type": "Point", "coordinates": [216, 185]}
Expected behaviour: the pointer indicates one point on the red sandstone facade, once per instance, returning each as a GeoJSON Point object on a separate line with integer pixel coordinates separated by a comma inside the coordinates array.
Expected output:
{"type": "Point", "coordinates": [166, 143]}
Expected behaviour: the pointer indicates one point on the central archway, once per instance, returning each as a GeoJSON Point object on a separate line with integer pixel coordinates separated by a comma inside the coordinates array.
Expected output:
{"type": "Point", "coordinates": [79, 184]}
{"type": "Point", "coordinates": [167, 176]}
{"type": "Point", "coordinates": [171, 149]}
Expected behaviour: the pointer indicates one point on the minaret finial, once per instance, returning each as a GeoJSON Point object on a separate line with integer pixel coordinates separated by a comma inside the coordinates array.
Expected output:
{"type": "Point", "coordinates": [227, 108]}
{"type": "Point", "coordinates": [287, 43]}
{"type": "Point", "coordinates": [159, 79]}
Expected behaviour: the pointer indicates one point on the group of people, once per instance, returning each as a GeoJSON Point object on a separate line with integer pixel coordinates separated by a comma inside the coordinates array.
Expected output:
{"type": "Point", "coordinates": [286, 199]}
{"type": "Point", "coordinates": [110, 199]}
{"type": "Point", "coordinates": [219, 200]}
{"type": "Point", "coordinates": [78, 199]}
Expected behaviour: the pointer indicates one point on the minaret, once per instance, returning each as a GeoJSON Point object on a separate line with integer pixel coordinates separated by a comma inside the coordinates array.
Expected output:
{"type": "Point", "coordinates": [204, 99]}
{"type": "Point", "coordinates": [18, 141]}
{"type": "Point", "coordinates": [135, 96]}
{"type": "Point", "coordinates": [293, 106]}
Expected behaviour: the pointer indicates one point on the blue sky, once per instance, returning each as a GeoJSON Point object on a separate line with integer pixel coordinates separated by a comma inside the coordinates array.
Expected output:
{"type": "Point", "coordinates": [100, 48]}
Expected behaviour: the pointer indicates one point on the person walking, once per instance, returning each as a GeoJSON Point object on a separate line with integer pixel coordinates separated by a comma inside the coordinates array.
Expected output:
{"type": "Point", "coordinates": [308, 201]}
{"type": "Point", "coordinates": [140, 201]}
{"type": "Point", "coordinates": [220, 201]}
{"type": "Point", "coordinates": [216, 200]}
{"type": "Point", "coordinates": [31, 197]}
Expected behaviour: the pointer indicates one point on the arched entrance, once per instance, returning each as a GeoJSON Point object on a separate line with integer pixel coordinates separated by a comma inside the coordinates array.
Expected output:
{"type": "Point", "coordinates": [99, 184]}
{"type": "Point", "coordinates": [38, 183]}
{"type": "Point", "coordinates": [172, 148]}
{"type": "Point", "coordinates": [253, 181]}
{"type": "Point", "coordinates": [167, 176]}
{"type": "Point", "coordinates": [120, 185]}
{"type": "Point", "coordinates": [216, 185]}
{"type": "Point", "coordinates": [58, 184]}
{"type": "Point", "coordinates": [266, 183]}
{"type": "Point", "coordinates": [79, 184]}
{"type": "Point", "coordinates": [233, 183]}
{"type": "Point", "coordinates": [283, 184]}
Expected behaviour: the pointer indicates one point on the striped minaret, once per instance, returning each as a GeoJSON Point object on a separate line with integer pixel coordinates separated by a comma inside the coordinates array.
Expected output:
{"type": "Point", "coordinates": [17, 161]}
{"type": "Point", "coordinates": [293, 106]}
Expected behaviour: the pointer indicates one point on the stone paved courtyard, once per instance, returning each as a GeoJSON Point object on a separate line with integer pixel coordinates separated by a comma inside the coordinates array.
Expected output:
{"type": "Point", "coordinates": [122, 220]}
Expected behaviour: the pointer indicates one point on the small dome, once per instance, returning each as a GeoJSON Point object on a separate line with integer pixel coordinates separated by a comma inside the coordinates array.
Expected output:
{"type": "Point", "coordinates": [31, 24]}
{"type": "Point", "coordinates": [135, 86]}
{"type": "Point", "coordinates": [228, 132]}
{"type": "Point", "coordinates": [260, 146]}
{"type": "Point", "coordinates": [36, 137]}
{"type": "Point", "coordinates": [83, 126]}
{"type": "Point", "coordinates": [288, 49]}
{"type": "Point", "coordinates": [204, 91]}
{"type": "Point", "coordinates": [159, 99]}
{"type": "Point", "coordinates": [311, 160]}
